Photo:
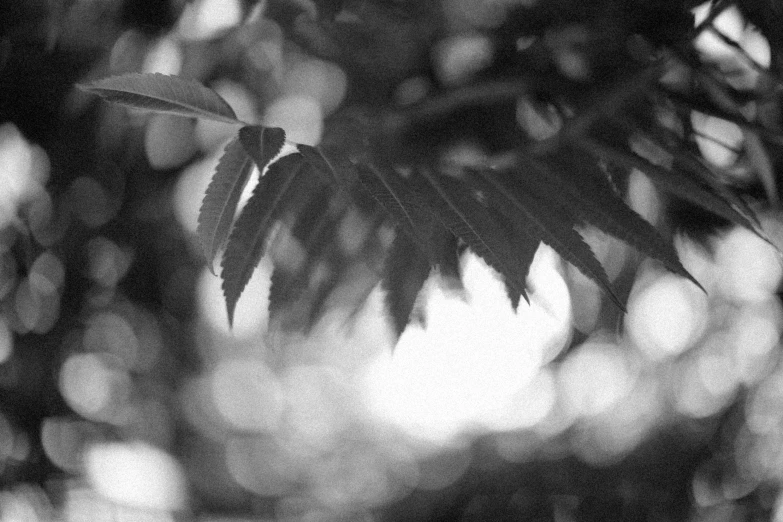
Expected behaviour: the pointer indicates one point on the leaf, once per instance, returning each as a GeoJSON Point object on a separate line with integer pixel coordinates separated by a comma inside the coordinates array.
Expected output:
{"type": "Point", "coordinates": [319, 162]}
{"type": "Point", "coordinates": [221, 199]}
{"type": "Point", "coordinates": [262, 143]}
{"type": "Point", "coordinates": [163, 93]}
{"type": "Point", "coordinates": [405, 271]}
{"type": "Point", "coordinates": [685, 161]}
{"type": "Point", "coordinates": [449, 265]}
{"type": "Point", "coordinates": [545, 221]}
{"type": "Point", "coordinates": [681, 186]}
{"type": "Point", "coordinates": [588, 194]}
{"type": "Point", "coordinates": [246, 245]}
{"type": "Point", "coordinates": [468, 219]}
{"type": "Point", "coordinates": [408, 212]}
{"type": "Point", "coordinates": [525, 246]}
{"type": "Point", "coordinates": [316, 230]}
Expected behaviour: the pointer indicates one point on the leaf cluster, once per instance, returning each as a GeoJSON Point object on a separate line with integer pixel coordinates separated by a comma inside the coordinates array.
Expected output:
{"type": "Point", "coordinates": [501, 207]}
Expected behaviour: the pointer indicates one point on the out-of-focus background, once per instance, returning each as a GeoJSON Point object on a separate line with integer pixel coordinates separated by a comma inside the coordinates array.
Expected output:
{"type": "Point", "coordinates": [124, 395]}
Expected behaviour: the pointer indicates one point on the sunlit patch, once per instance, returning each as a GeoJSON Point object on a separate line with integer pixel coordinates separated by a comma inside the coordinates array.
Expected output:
{"type": "Point", "coordinates": [206, 19]}
{"type": "Point", "coordinates": [63, 439]}
{"type": "Point", "coordinates": [457, 58]}
{"type": "Point", "coordinates": [716, 369]}
{"type": "Point", "coordinates": [25, 503]}
{"type": "Point", "coordinates": [165, 57]}
{"type": "Point", "coordinates": [755, 333]}
{"type": "Point", "coordinates": [136, 474]}
{"type": "Point", "coordinates": [107, 262]}
{"type": "Point", "coordinates": [47, 273]}
{"type": "Point", "coordinates": [260, 464]}
{"type": "Point", "coordinates": [190, 189]}
{"type": "Point", "coordinates": [594, 377]}
{"type": "Point", "coordinates": [36, 309]}
{"type": "Point", "coordinates": [250, 316]}
{"type": "Point", "coordinates": [643, 197]}
{"type": "Point", "coordinates": [697, 261]}
{"type": "Point", "coordinates": [729, 22]}
{"type": "Point", "coordinates": [23, 171]}
{"type": "Point", "coordinates": [666, 316]}
{"type": "Point", "coordinates": [300, 116]}
{"type": "Point", "coordinates": [354, 476]}
{"type": "Point", "coordinates": [527, 406]}
{"type": "Point", "coordinates": [474, 362]}
{"type": "Point", "coordinates": [703, 385]}
{"type": "Point", "coordinates": [539, 122]}
{"type": "Point", "coordinates": [749, 269]}
{"type": "Point", "coordinates": [757, 46]}
{"type": "Point", "coordinates": [83, 503]}
{"type": "Point", "coordinates": [764, 409]}
{"type": "Point", "coordinates": [320, 80]}
{"type": "Point", "coordinates": [745, 52]}
{"type": "Point", "coordinates": [567, 45]}
{"type": "Point", "coordinates": [313, 410]}
{"type": "Point", "coordinates": [93, 387]}
{"type": "Point", "coordinates": [718, 140]}
{"type": "Point", "coordinates": [128, 52]}
{"type": "Point", "coordinates": [247, 394]}
{"type": "Point", "coordinates": [264, 47]}
{"type": "Point", "coordinates": [112, 333]}
{"type": "Point", "coordinates": [604, 439]}
{"type": "Point", "coordinates": [169, 141]}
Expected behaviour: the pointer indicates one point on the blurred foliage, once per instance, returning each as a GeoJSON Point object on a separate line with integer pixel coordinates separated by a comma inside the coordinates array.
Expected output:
{"type": "Point", "coordinates": [123, 394]}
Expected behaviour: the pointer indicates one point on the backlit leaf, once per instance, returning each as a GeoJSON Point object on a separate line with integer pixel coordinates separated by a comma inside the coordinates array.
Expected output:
{"type": "Point", "coordinates": [247, 242]}
{"type": "Point", "coordinates": [588, 194]}
{"type": "Point", "coordinates": [163, 93]}
{"type": "Point", "coordinates": [675, 183]}
{"type": "Point", "coordinates": [409, 213]}
{"type": "Point", "coordinates": [405, 272]}
{"type": "Point", "coordinates": [221, 199]}
{"type": "Point", "coordinates": [544, 220]}
{"type": "Point", "coordinates": [471, 221]}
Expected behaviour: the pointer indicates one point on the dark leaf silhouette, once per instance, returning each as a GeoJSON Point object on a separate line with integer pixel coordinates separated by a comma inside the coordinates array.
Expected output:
{"type": "Point", "coordinates": [548, 222]}
{"type": "Point", "coordinates": [221, 198]}
{"type": "Point", "coordinates": [233, 171]}
{"type": "Point", "coordinates": [163, 93]}
{"type": "Point", "coordinates": [471, 221]}
{"type": "Point", "coordinates": [588, 195]}
{"type": "Point", "coordinates": [407, 210]}
{"type": "Point", "coordinates": [246, 245]}
{"type": "Point", "coordinates": [405, 272]}
{"type": "Point", "coordinates": [673, 182]}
